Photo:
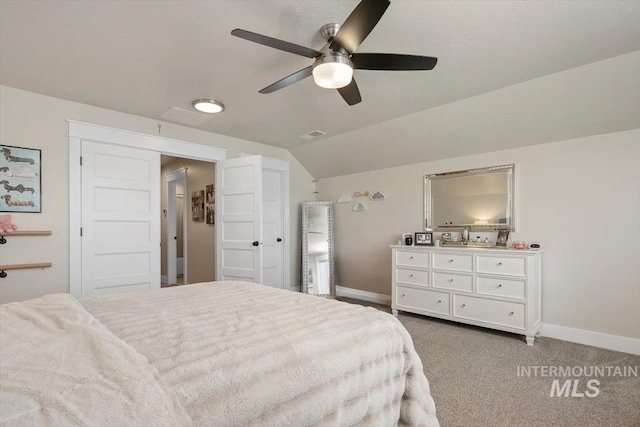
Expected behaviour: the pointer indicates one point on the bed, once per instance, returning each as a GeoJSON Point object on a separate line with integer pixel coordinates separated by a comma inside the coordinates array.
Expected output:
{"type": "Point", "coordinates": [209, 354]}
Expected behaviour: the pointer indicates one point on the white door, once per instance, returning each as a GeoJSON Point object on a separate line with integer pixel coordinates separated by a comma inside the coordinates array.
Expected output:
{"type": "Point", "coordinates": [239, 213]}
{"type": "Point", "coordinates": [120, 219]}
{"type": "Point", "coordinates": [272, 227]}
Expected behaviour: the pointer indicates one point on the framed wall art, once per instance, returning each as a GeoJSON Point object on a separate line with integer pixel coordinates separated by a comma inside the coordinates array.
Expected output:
{"type": "Point", "coordinates": [211, 203]}
{"type": "Point", "coordinates": [20, 179]}
{"type": "Point", "coordinates": [197, 206]}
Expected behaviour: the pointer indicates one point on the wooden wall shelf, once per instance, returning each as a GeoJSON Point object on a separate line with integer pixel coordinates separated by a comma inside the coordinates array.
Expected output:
{"type": "Point", "coordinates": [3, 240]}
{"type": "Point", "coordinates": [3, 236]}
{"type": "Point", "coordinates": [23, 266]}
{"type": "Point", "coordinates": [28, 233]}
{"type": "Point", "coordinates": [3, 273]}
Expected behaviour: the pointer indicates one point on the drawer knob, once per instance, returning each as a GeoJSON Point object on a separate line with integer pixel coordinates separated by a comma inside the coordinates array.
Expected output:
{"type": "Point", "coordinates": [464, 305]}
{"type": "Point", "coordinates": [411, 275]}
{"type": "Point", "coordinates": [439, 301]}
{"type": "Point", "coordinates": [511, 313]}
{"type": "Point", "coordinates": [410, 257]}
{"type": "Point", "coordinates": [402, 295]}
{"type": "Point", "coordinates": [450, 260]}
{"type": "Point", "coordinates": [499, 264]}
{"type": "Point", "coordinates": [450, 280]}
{"type": "Point", "coordinates": [500, 285]}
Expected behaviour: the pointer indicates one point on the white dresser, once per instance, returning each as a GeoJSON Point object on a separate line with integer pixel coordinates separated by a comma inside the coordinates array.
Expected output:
{"type": "Point", "coordinates": [493, 288]}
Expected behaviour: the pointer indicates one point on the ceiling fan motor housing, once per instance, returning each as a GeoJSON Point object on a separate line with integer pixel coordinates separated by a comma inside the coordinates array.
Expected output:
{"type": "Point", "coordinates": [329, 31]}
{"type": "Point", "coordinates": [332, 70]}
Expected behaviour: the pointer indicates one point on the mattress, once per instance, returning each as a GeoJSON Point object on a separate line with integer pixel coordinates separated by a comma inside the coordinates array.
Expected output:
{"type": "Point", "coordinates": [240, 354]}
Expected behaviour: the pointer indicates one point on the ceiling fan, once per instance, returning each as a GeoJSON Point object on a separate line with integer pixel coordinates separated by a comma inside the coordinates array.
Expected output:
{"type": "Point", "coordinates": [334, 63]}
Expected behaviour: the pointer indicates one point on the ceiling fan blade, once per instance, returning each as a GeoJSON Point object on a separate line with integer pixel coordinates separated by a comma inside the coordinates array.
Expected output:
{"type": "Point", "coordinates": [276, 43]}
{"type": "Point", "coordinates": [351, 93]}
{"type": "Point", "coordinates": [359, 24]}
{"type": "Point", "coordinates": [289, 80]}
{"type": "Point", "coordinates": [392, 61]}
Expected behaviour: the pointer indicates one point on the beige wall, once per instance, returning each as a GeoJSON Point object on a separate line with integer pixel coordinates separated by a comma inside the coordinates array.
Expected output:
{"type": "Point", "coordinates": [200, 236]}
{"type": "Point", "coordinates": [580, 198]}
{"type": "Point", "coordinates": [36, 121]}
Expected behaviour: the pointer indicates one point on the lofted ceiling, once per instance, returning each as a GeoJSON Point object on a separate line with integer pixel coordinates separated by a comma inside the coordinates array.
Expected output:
{"type": "Point", "coordinates": [509, 74]}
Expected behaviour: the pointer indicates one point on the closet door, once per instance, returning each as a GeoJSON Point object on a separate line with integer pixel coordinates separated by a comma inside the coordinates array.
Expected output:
{"type": "Point", "coordinates": [276, 259]}
{"type": "Point", "coordinates": [272, 228]}
{"type": "Point", "coordinates": [239, 213]}
{"type": "Point", "coordinates": [120, 219]}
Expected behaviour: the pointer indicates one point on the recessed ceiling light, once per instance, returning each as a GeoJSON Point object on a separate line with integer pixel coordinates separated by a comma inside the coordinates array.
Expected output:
{"type": "Point", "coordinates": [210, 106]}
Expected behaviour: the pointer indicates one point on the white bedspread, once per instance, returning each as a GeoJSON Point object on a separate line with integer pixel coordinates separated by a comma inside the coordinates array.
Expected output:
{"type": "Point", "coordinates": [240, 354]}
{"type": "Point", "coordinates": [60, 367]}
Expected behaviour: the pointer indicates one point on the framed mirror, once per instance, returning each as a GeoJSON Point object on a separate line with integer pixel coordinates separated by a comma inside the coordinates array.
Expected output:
{"type": "Point", "coordinates": [318, 277]}
{"type": "Point", "coordinates": [482, 199]}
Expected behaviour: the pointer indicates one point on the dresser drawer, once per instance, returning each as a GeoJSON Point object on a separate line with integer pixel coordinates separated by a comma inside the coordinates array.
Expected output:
{"type": "Point", "coordinates": [455, 282]}
{"type": "Point", "coordinates": [415, 277]}
{"type": "Point", "coordinates": [412, 259]}
{"type": "Point", "coordinates": [422, 299]}
{"type": "Point", "coordinates": [453, 262]}
{"type": "Point", "coordinates": [502, 265]}
{"type": "Point", "coordinates": [502, 313]}
{"type": "Point", "coordinates": [501, 287]}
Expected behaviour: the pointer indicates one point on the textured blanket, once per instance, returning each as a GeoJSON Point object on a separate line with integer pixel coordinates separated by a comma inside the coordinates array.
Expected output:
{"type": "Point", "coordinates": [239, 354]}
{"type": "Point", "coordinates": [60, 367]}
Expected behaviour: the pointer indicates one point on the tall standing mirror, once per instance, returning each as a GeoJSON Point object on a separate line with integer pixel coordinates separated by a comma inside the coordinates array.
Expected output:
{"type": "Point", "coordinates": [317, 249]}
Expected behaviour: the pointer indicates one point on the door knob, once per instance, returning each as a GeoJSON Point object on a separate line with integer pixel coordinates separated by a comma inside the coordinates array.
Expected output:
{"type": "Point", "coordinates": [255, 243]}
{"type": "Point", "coordinates": [278, 240]}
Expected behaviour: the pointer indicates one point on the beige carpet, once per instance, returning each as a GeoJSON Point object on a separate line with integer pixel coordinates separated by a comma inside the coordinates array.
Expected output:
{"type": "Point", "coordinates": [474, 380]}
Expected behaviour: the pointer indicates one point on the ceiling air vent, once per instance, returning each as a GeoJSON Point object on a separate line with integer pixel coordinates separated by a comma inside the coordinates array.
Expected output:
{"type": "Point", "coordinates": [312, 134]}
{"type": "Point", "coordinates": [184, 117]}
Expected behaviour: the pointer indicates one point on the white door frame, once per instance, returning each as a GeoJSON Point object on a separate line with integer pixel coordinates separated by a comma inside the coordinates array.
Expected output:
{"type": "Point", "coordinates": [171, 179]}
{"type": "Point", "coordinates": [79, 131]}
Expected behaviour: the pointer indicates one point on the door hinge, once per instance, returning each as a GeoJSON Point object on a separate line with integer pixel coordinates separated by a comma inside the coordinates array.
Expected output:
{"type": "Point", "coordinates": [80, 231]}
{"type": "Point", "coordinates": [80, 160]}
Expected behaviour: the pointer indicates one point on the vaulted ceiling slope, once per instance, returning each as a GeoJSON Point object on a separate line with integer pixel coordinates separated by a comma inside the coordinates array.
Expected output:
{"type": "Point", "coordinates": [509, 73]}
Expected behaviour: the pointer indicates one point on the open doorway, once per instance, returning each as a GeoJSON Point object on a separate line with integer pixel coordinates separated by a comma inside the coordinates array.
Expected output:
{"type": "Point", "coordinates": [188, 221]}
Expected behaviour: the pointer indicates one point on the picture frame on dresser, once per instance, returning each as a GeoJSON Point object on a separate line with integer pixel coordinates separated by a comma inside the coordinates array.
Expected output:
{"type": "Point", "coordinates": [423, 238]}
{"type": "Point", "coordinates": [503, 237]}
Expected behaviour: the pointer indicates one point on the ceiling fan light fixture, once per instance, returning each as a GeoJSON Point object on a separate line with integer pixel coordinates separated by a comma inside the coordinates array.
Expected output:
{"type": "Point", "coordinates": [333, 71]}
{"type": "Point", "coordinates": [209, 106]}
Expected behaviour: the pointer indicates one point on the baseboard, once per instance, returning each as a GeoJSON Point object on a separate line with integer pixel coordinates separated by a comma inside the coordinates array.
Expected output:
{"type": "Point", "coordinates": [341, 291]}
{"type": "Point", "coordinates": [164, 280]}
{"type": "Point", "coordinates": [595, 339]}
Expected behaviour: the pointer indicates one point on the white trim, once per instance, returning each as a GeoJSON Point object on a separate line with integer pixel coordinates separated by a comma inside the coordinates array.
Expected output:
{"type": "Point", "coordinates": [176, 175]}
{"type": "Point", "coordinates": [595, 339]}
{"type": "Point", "coordinates": [170, 147]}
{"type": "Point", "coordinates": [79, 131]}
{"type": "Point", "coordinates": [341, 291]}
{"type": "Point", "coordinates": [164, 280]}
{"type": "Point", "coordinates": [171, 179]}
{"type": "Point", "coordinates": [270, 162]}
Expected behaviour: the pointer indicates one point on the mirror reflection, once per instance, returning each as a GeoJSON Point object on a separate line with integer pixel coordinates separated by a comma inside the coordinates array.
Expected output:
{"type": "Point", "coordinates": [317, 248]}
{"type": "Point", "coordinates": [477, 198]}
